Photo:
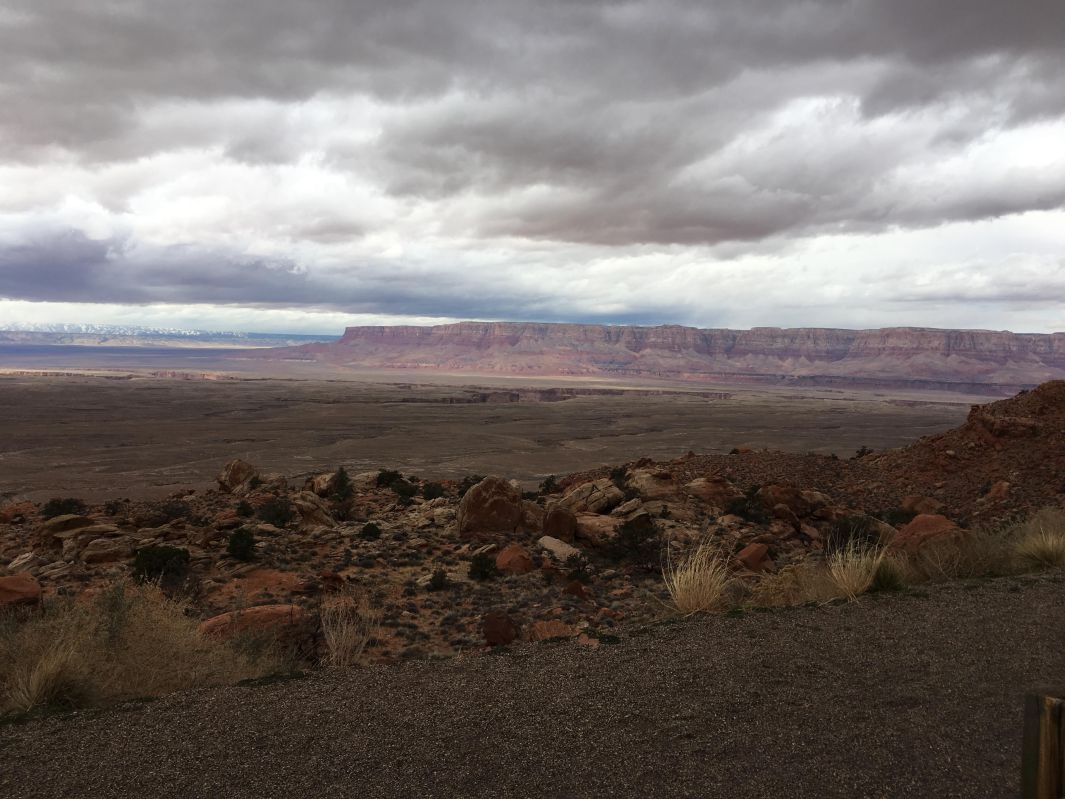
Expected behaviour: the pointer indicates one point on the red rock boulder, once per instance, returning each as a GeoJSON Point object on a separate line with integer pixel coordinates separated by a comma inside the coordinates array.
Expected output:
{"type": "Point", "coordinates": [514, 559]}
{"type": "Point", "coordinates": [290, 626]}
{"type": "Point", "coordinates": [923, 528]}
{"type": "Point", "coordinates": [19, 589]}
{"type": "Point", "coordinates": [489, 509]}
{"type": "Point", "coordinates": [498, 628]}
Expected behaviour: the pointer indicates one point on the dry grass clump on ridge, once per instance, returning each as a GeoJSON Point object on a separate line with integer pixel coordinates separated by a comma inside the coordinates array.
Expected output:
{"type": "Point", "coordinates": [697, 584]}
{"type": "Point", "coordinates": [853, 568]}
{"type": "Point", "coordinates": [1040, 542]}
{"type": "Point", "coordinates": [349, 623]}
{"type": "Point", "coordinates": [129, 642]}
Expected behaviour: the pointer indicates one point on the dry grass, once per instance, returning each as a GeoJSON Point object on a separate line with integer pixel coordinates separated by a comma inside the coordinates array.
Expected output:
{"type": "Point", "coordinates": [852, 568]}
{"type": "Point", "coordinates": [697, 584]}
{"type": "Point", "coordinates": [1040, 542]}
{"type": "Point", "coordinates": [129, 642]}
{"type": "Point", "coordinates": [349, 622]}
{"type": "Point", "coordinates": [797, 584]}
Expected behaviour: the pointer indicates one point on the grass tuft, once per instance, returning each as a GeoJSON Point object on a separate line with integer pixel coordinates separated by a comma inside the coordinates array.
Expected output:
{"type": "Point", "coordinates": [854, 567]}
{"type": "Point", "coordinates": [349, 623]}
{"type": "Point", "coordinates": [1041, 540]}
{"type": "Point", "coordinates": [697, 584]}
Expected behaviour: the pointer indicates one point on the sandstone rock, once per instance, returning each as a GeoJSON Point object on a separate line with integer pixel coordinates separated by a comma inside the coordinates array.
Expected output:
{"type": "Point", "coordinates": [917, 504]}
{"type": "Point", "coordinates": [19, 589]}
{"type": "Point", "coordinates": [559, 523]}
{"type": "Point", "coordinates": [772, 495]}
{"type": "Point", "coordinates": [321, 485]}
{"type": "Point", "coordinates": [596, 530]}
{"type": "Point", "coordinates": [715, 491]}
{"type": "Point", "coordinates": [25, 562]}
{"type": "Point", "coordinates": [498, 628]}
{"type": "Point", "coordinates": [236, 477]}
{"type": "Point", "coordinates": [514, 559]}
{"type": "Point", "coordinates": [107, 550]}
{"type": "Point", "coordinates": [313, 511]}
{"type": "Point", "coordinates": [490, 508]}
{"type": "Point", "coordinates": [552, 628]}
{"type": "Point", "coordinates": [559, 550]}
{"type": "Point", "coordinates": [625, 508]}
{"type": "Point", "coordinates": [999, 490]}
{"type": "Point", "coordinates": [290, 626]}
{"type": "Point", "coordinates": [786, 514]}
{"type": "Point", "coordinates": [597, 496]}
{"type": "Point", "coordinates": [922, 529]}
{"type": "Point", "coordinates": [577, 589]}
{"type": "Point", "coordinates": [64, 523]}
{"type": "Point", "coordinates": [652, 483]}
{"type": "Point", "coordinates": [532, 517]}
{"type": "Point", "coordinates": [364, 481]}
{"type": "Point", "coordinates": [754, 557]}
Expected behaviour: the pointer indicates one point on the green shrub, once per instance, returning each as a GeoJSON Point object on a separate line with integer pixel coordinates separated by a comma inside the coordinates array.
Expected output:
{"type": "Point", "coordinates": [483, 567]}
{"type": "Point", "coordinates": [241, 544]}
{"type": "Point", "coordinates": [60, 506]}
{"type": "Point", "coordinates": [386, 477]}
{"type": "Point", "coordinates": [432, 491]}
{"type": "Point", "coordinates": [852, 531]}
{"type": "Point", "coordinates": [618, 476]}
{"type": "Point", "coordinates": [861, 452]}
{"type": "Point", "coordinates": [276, 511]}
{"type": "Point", "coordinates": [750, 508]}
{"type": "Point", "coordinates": [341, 487]}
{"type": "Point", "coordinates": [159, 562]}
{"type": "Point", "coordinates": [244, 509]}
{"type": "Point", "coordinates": [636, 541]}
{"type": "Point", "coordinates": [439, 580]}
{"type": "Point", "coordinates": [370, 532]}
{"type": "Point", "coordinates": [896, 517]}
{"type": "Point", "coordinates": [549, 485]}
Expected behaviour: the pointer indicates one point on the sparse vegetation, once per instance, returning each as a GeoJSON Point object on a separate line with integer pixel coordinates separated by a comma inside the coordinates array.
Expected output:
{"type": "Point", "coordinates": [433, 491]}
{"type": "Point", "coordinates": [386, 477]}
{"type": "Point", "coordinates": [341, 488]}
{"type": "Point", "coordinates": [854, 567]}
{"type": "Point", "coordinates": [159, 562]}
{"type": "Point", "coordinates": [370, 532]}
{"type": "Point", "coordinates": [349, 624]}
{"type": "Point", "coordinates": [241, 544]}
{"type": "Point", "coordinates": [890, 574]}
{"type": "Point", "coordinates": [549, 485]}
{"type": "Point", "coordinates": [637, 541]}
{"type": "Point", "coordinates": [60, 506]}
{"type": "Point", "coordinates": [697, 584]}
{"type": "Point", "coordinates": [276, 511]}
{"type": "Point", "coordinates": [1041, 540]}
{"type": "Point", "coordinates": [131, 642]}
{"type": "Point", "coordinates": [439, 580]}
{"type": "Point", "coordinates": [483, 567]}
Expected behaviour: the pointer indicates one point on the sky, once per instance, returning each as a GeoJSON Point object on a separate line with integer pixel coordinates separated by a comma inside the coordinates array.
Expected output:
{"type": "Point", "coordinates": [290, 166]}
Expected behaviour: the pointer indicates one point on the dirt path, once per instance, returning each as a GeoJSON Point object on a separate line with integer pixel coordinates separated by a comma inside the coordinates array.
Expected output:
{"type": "Point", "coordinates": [893, 696]}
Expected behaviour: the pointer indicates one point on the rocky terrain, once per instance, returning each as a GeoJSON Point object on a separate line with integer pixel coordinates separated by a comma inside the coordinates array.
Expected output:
{"type": "Point", "coordinates": [969, 360]}
{"type": "Point", "coordinates": [453, 566]}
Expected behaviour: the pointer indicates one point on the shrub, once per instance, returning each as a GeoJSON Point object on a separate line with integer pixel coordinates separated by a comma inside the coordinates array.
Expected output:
{"type": "Point", "coordinates": [468, 482]}
{"type": "Point", "coordinates": [276, 511]}
{"type": "Point", "coordinates": [386, 477]}
{"type": "Point", "coordinates": [244, 509]}
{"type": "Point", "coordinates": [114, 507]}
{"type": "Point", "coordinates": [483, 567]}
{"type": "Point", "coordinates": [848, 531]}
{"type": "Point", "coordinates": [403, 489]}
{"type": "Point", "coordinates": [577, 568]}
{"type": "Point", "coordinates": [433, 491]}
{"type": "Point", "coordinates": [697, 584]}
{"type": "Point", "coordinates": [750, 508]}
{"type": "Point", "coordinates": [370, 532]}
{"type": "Point", "coordinates": [618, 476]}
{"type": "Point", "coordinates": [349, 623]}
{"type": "Point", "coordinates": [549, 485]}
{"type": "Point", "coordinates": [890, 574]}
{"type": "Point", "coordinates": [60, 506]}
{"type": "Point", "coordinates": [636, 540]}
{"type": "Point", "coordinates": [861, 452]}
{"type": "Point", "coordinates": [159, 562]}
{"type": "Point", "coordinates": [132, 642]}
{"type": "Point", "coordinates": [896, 517]}
{"type": "Point", "coordinates": [340, 485]}
{"type": "Point", "coordinates": [438, 581]}
{"type": "Point", "coordinates": [853, 568]}
{"type": "Point", "coordinates": [241, 544]}
{"type": "Point", "coordinates": [1041, 543]}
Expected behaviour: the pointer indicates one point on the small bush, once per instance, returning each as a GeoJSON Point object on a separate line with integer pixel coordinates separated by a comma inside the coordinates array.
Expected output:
{"type": "Point", "coordinates": [341, 488]}
{"type": "Point", "coordinates": [403, 489]}
{"type": "Point", "coordinates": [549, 485]}
{"type": "Point", "coordinates": [697, 584]}
{"type": "Point", "coordinates": [349, 623]}
{"type": "Point", "coordinates": [159, 562]}
{"type": "Point", "coordinates": [890, 575]}
{"type": "Point", "coordinates": [858, 531]}
{"type": "Point", "coordinates": [438, 581]}
{"type": "Point", "coordinates": [386, 477]}
{"type": "Point", "coordinates": [244, 509]}
{"type": "Point", "coordinates": [370, 532]}
{"type": "Point", "coordinates": [750, 508]}
{"type": "Point", "coordinates": [433, 491]}
{"type": "Point", "coordinates": [241, 544]}
{"type": "Point", "coordinates": [276, 511]}
{"type": "Point", "coordinates": [636, 541]}
{"type": "Point", "coordinates": [577, 568]}
{"type": "Point", "coordinates": [861, 452]}
{"type": "Point", "coordinates": [896, 517]}
{"type": "Point", "coordinates": [115, 507]}
{"type": "Point", "coordinates": [619, 476]}
{"type": "Point", "coordinates": [483, 567]}
{"type": "Point", "coordinates": [61, 506]}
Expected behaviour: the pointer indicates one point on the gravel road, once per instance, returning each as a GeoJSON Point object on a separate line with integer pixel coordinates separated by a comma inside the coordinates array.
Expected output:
{"type": "Point", "coordinates": [918, 694]}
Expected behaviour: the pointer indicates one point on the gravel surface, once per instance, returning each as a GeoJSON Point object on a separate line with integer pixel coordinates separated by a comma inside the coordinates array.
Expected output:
{"type": "Point", "coordinates": [918, 694]}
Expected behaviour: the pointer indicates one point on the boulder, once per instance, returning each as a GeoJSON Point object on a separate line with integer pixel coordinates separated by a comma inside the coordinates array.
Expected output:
{"type": "Point", "coordinates": [559, 550]}
{"type": "Point", "coordinates": [596, 530]}
{"type": "Point", "coordinates": [107, 550]}
{"type": "Point", "coordinates": [597, 496]}
{"type": "Point", "coordinates": [773, 495]}
{"type": "Point", "coordinates": [715, 491]}
{"type": "Point", "coordinates": [313, 511]}
{"type": "Point", "coordinates": [514, 559]}
{"type": "Point", "coordinates": [290, 626]}
{"type": "Point", "coordinates": [625, 508]}
{"type": "Point", "coordinates": [917, 505]}
{"type": "Point", "coordinates": [236, 477]}
{"type": "Point", "coordinates": [532, 517]}
{"type": "Point", "coordinates": [26, 561]}
{"type": "Point", "coordinates": [61, 524]}
{"type": "Point", "coordinates": [559, 523]}
{"type": "Point", "coordinates": [498, 628]}
{"type": "Point", "coordinates": [652, 483]}
{"type": "Point", "coordinates": [923, 528]}
{"type": "Point", "coordinates": [999, 490]}
{"type": "Point", "coordinates": [492, 507]}
{"type": "Point", "coordinates": [551, 628]}
{"type": "Point", "coordinates": [755, 557]}
{"type": "Point", "coordinates": [19, 589]}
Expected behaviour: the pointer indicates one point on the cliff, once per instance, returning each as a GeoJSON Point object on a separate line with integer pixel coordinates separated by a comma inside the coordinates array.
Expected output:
{"type": "Point", "coordinates": [992, 361]}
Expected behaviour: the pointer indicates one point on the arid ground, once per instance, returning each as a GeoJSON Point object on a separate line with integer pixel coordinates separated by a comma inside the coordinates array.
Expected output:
{"type": "Point", "coordinates": [102, 437]}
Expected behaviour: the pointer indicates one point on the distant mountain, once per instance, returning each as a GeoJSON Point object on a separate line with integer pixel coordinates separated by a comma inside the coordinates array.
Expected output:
{"type": "Point", "coordinates": [133, 336]}
{"type": "Point", "coordinates": [968, 360]}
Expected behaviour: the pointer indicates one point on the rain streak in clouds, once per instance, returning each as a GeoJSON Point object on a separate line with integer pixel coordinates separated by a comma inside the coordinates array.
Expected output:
{"type": "Point", "coordinates": [299, 165]}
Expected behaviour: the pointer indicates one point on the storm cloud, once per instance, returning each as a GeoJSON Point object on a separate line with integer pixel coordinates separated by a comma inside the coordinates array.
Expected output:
{"type": "Point", "coordinates": [652, 161]}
